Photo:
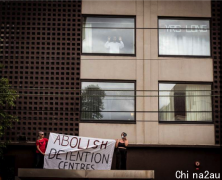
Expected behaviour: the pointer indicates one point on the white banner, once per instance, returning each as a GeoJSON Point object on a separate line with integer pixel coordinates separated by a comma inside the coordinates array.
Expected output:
{"type": "Point", "coordinates": [76, 152]}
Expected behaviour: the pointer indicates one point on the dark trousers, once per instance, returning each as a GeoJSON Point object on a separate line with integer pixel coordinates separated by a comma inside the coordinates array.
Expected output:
{"type": "Point", "coordinates": [121, 155]}
{"type": "Point", "coordinates": [39, 160]}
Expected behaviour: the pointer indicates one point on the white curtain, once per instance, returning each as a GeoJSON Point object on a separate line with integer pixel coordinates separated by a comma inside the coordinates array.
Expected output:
{"type": "Point", "coordinates": [168, 116]}
{"type": "Point", "coordinates": [198, 103]}
{"type": "Point", "coordinates": [184, 43]}
{"type": "Point", "coordinates": [87, 39]}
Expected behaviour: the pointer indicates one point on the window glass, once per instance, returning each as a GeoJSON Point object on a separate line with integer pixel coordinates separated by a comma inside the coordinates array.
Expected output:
{"type": "Point", "coordinates": [185, 102]}
{"type": "Point", "coordinates": [184, 37]}
{"type": "Point", "coordinates": [104, 97]}
{"type": "Point", "coordinates": [108, 35]}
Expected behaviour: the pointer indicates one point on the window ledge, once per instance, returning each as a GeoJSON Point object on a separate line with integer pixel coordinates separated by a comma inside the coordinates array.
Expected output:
{"type": "Point", "coordinates": [115, 55]}
{"type": "Point", "coordinates": [185, 122]}
{"type": "Point", "coordinates": [82, 174]}
{"type": "Point", "coordinates": [184, 56]}
{"type": "Point", "coordinates": [108, 121]}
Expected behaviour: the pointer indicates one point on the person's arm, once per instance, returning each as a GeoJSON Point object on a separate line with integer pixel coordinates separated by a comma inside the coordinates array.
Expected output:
{"type": "Point", "coordinates": [107, 45]}
{"type": "Point", "coordinates": [40, 150]}
{"type": "Point", "coordinates": [126, 142]}
{"type": "Point", "coordinates": [37, 145]}
{"type": "Point", "coordinates": [46, 142]}
{"type": "Point", "coordinates": [117, 141]}
{"type": "Point", "coordinates": [121, 44]}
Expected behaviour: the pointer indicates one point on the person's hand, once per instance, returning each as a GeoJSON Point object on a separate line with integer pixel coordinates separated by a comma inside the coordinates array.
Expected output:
{"type": "Point", "coordinates": [43, 154]}
{"type": "Point", "coordinates": [108, 38]}
{"type": "Point", "coordinates": [120, 38]}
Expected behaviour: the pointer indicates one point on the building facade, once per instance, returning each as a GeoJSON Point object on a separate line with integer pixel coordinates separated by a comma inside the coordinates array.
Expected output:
{"type": "Point", "coordinates": [100, 68]}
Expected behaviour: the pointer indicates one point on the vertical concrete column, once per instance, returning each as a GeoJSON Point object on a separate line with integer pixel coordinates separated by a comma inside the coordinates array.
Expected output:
{"type": "Point", "coordinates": [151, 126]}
{"type": "Point", "coordinates": [139, 72]}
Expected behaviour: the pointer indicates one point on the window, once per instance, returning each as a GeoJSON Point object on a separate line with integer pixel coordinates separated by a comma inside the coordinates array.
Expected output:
{"type": "Point", "coordinates": [184, 37]}
{"type": "Point", "coordinates": [110, 35]}
{"type": "Point", "coordinates": [108, 101]}
{"type": "Point", "coordinates": [185, 102]}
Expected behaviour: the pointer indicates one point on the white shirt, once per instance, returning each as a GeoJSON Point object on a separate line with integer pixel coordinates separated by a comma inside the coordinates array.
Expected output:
{"type": "Point", "coordinates": [114, 47]}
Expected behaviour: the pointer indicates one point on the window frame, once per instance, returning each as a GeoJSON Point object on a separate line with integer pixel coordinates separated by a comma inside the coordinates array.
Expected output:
{"type": "Point", "coordinates": [185, 122]}
{"type": "Point", "coordinates": [109, 121]}
{"type": "Point", "coordinates": [108, 16]}
{"type": "Point", "coordinates": [185, 18]}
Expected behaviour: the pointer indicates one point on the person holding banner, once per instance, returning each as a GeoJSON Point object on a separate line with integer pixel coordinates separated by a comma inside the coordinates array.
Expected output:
{"type": "Point", "coordinates": [40, 151]}
{"type": "Point", "coordinates": [121, 154]}
{"type": "Point", "coordinates": [78, 153]}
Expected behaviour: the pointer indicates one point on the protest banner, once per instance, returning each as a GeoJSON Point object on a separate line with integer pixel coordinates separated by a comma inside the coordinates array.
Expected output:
{"type": "Point", "coordinates": [76, 152]}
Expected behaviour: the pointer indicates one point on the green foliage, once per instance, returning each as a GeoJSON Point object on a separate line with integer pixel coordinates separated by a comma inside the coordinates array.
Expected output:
{"type": "Point", "coordinates": [7, 99]}
{"type": "Point", "coordinates": [91, 100]}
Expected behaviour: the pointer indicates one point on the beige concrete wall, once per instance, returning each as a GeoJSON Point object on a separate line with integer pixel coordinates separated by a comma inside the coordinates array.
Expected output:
{"type": "Point", "coordinates": [148, 71]}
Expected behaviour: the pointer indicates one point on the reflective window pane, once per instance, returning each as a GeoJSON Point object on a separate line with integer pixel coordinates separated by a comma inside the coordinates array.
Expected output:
{"type": "Point", "coordinates": [108, 35]}
{"type": "Point", "coordinates": [104, 97]}
{"type": "Point", "coordinates": [185, 102]}
{"type": "Point", "coordinates": [184, 37]}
